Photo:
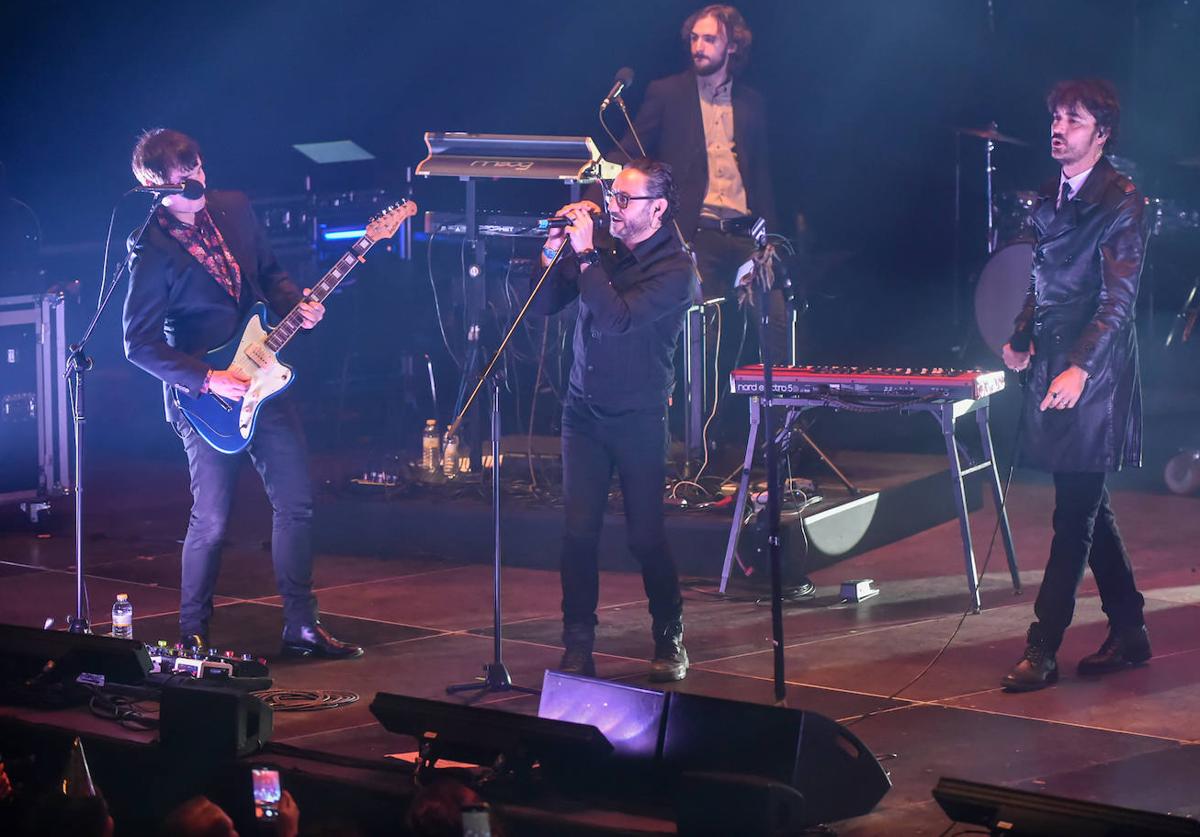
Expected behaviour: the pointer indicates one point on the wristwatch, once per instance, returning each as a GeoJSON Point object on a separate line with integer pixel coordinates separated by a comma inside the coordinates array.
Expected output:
{"type": "Point", "coordinates": [588, 257]}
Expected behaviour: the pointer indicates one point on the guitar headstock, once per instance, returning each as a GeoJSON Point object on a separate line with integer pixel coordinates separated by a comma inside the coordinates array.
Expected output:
{"type": "Point", "coordinates": [386, 223]}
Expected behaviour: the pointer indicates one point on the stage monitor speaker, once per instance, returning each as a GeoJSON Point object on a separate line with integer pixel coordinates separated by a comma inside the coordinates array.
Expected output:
{"type": "Point", "coordinates": [720, 804]}
{"type": "Point", "coordinates": [631, 718]}
{"type": "Point", "coordinates": [834, 771]}
{"type": "Point", "coordinates": [480, 736]}
{"type": "Point", "coordinates": [1018, 813]}
{"type": "Point", "coordinates": [53, 657]}
{"type": "Point", "coordinates": [204, 721]}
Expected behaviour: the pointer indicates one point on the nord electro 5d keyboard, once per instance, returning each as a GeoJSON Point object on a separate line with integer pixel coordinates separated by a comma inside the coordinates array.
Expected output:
{"type": "Point", "coordinates": [871, 382]}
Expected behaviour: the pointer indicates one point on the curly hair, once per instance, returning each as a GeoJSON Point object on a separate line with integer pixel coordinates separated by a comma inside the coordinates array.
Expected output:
{"type": "Point", "coordinates": [159, 151]}
{"type": "Point", "coordinates": [1098, 96]}
{"type": "Point", "coordinates": [736, 31]}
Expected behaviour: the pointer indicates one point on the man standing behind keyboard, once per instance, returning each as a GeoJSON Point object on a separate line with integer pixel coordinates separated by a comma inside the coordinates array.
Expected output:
{"type": "Point", "coordinates": [711, 128]}
{"type": "Point", "coordinates": [632, 302]}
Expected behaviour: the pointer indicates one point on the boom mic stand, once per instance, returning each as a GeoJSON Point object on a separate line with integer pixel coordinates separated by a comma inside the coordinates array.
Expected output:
{"type": "Point", "coordinates": [763, 282]}
{"type": "Point", "coordinates": [496, 677]}
{"type": "Point", "coordinates": [78, 363]}
{"type": "Point", "coordinates": [683, 242]}
{"type": "Point", "coordinates": [697, 295]}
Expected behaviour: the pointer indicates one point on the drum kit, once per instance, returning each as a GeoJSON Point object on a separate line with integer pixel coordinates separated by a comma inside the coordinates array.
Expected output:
{"type": "Point", "coordinates": [1004, 279]}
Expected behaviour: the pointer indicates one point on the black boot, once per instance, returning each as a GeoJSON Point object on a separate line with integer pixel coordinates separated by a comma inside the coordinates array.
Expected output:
{"type": "Point", "coordinates": [1122, 649]}
{"type": "Point", "coordinates": [315, 641]}
{"type": "Point", "coordinates": [670, 661]}
{"type": "Point", "coordinates": [577, 650]}
{"type": "Point", "coordinates": [1037, 668]}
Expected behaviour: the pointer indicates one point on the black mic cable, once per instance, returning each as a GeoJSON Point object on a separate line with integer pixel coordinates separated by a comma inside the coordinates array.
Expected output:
{"type": "Point", "coordinates": [1001, 514]}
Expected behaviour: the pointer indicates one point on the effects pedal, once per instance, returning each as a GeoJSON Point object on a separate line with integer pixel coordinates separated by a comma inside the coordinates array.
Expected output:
{"type": "Point", "coordinates": [204, 663]}
{"type": "Point", "coordinates": [859, 590]}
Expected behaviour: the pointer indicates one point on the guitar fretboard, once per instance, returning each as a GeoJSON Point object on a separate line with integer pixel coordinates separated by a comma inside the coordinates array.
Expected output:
{"type": "Point", "coordinates": [293, 322]}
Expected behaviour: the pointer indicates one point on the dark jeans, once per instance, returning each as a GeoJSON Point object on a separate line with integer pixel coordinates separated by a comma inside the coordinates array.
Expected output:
{"type": "Point", "coordinates": [718, 256]}
{"type": "Point", "coordinates": [593, 444]}
{"type": "Point", "coordinates": [280, 456]}
{"type": "Point", "coordinates": [1085, 532]}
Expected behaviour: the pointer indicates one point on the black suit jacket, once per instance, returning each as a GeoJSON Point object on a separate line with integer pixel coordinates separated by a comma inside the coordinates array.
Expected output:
{"type": "Point", "coordinates": [670, 125]}
{"type": "Point", "coordinates": [175, 311]}
{"type": "Point", "coordinates": [1079, 310]}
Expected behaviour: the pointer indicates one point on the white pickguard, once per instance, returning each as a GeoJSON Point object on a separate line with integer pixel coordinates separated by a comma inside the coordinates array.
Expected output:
{"type": "Point", "coordinates": [267, 375]}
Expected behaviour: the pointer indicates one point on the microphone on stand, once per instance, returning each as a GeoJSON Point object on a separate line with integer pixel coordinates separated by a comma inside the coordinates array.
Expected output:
{"type": "Point", "coordinates": [559, 222]}
{"type": "Point", "coordinates": [623, 79]}
{"type": "Point", "coordinates": [189, 189]}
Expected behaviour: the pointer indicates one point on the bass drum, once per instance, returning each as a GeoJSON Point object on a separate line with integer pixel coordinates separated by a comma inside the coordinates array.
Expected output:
{"type": "Point", "coordinates": [1001, 292]}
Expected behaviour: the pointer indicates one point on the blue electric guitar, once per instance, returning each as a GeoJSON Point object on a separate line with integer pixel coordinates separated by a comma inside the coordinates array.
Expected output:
{"type": "Point", "coordinates": [228, 424]}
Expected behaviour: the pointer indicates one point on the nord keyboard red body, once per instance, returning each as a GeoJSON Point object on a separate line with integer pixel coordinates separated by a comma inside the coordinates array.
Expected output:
{"type": "Point", "coordinates": [868, 381]}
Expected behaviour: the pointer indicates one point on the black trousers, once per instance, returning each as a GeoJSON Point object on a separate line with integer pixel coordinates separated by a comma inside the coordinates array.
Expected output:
{"type": "Point", "coordinates": [1085, 533]}
{"type": "Point", "coordinates": [279, 453]}
{"type": "Point", "coordinates": [594, 443]}
{"type": "Point", "coordinates": [718, 257]}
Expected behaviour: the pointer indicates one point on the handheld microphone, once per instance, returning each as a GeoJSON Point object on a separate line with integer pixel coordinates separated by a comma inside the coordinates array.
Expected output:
{"type": "Point", "coordinates": [559, 222]}
{"type": "Point", "coordinates": [623, 79]}
{"type": "Point", "coordinates": [190, 189]}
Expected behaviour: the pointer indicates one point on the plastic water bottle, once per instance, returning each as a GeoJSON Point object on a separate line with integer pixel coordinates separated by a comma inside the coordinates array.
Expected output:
{"type": "Point", "coordinates": [450, 456]}
{"type": "Point", "coordinates": [122, 617]}
{"type": "Point", "coordinates": [430, 447]}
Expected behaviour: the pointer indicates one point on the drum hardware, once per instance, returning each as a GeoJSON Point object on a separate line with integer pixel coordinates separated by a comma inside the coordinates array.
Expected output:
{"type": "Point", "coordinates": [1185, 320]}
{"type": "Point", "coordinates": [1014, 221]}
{"type": "Point", "coordinates": [1000, 292]}
{"type": "Point", "coordinates": [1169, 215]}
{"type": "Point", "coordinates": [991, 135]}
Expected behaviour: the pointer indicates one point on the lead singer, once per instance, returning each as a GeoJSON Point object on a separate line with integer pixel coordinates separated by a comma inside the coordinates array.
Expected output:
{"type": "Point", "coordinates": [1082, 417]}
{"type": "Point", "coordinates": [632, 301]}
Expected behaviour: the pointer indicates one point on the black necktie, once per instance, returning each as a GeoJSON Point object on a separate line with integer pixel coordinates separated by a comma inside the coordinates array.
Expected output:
{"type": "Point", "coordinates": [1064, 196]}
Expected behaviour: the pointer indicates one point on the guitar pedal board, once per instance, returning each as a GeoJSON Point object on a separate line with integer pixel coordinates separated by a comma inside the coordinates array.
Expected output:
{"type": "Point", "coordinates": [204, 663]}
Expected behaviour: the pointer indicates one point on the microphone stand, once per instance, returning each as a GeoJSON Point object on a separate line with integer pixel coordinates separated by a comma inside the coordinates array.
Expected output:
{"type": "Point", "coordinates": [763, 282]}
{"type": "Point", "coordinates": [698, 295]}
{"type": "Point", "coordinates": [78, 363]}
{"type": "Point", "coordinates": [683, 242]}
{"type": "Point", "coordinates": [496, 677]}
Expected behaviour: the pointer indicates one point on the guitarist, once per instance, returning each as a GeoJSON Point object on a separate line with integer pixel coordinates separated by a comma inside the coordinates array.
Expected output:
{"type": "Point", "coordinates": [194, 276]}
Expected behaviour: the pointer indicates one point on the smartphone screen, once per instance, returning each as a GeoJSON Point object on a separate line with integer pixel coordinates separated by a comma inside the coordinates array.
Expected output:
{"type": "Point", "coordinates": [265, 784]}
{"type": "Point", "coordinates": [476, 821]}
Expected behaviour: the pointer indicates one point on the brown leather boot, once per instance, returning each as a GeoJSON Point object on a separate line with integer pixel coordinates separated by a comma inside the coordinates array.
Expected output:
{"type": "Point", "coordinates": [1037, 668]}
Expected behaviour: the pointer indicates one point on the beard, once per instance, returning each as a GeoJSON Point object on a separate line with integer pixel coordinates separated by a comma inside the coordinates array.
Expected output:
{"type": "Point", "coordinates": [710, 67]}
{"type": "Point", "coordinates": [632, 228]}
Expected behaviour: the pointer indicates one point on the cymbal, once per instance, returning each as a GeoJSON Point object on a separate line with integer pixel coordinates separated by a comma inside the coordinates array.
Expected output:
{"type": "Point", "coordinates": [1190, 162]}
{"type": "Point", "coordinates": [990, 133]}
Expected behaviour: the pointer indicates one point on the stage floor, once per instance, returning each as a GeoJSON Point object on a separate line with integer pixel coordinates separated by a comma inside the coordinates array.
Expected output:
{"type": "Point", "coordinates": [1128, 739]}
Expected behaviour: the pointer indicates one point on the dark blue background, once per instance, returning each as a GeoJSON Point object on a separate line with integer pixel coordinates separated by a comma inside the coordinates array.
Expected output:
{"type": "Point", "coordinates": [862, 97]}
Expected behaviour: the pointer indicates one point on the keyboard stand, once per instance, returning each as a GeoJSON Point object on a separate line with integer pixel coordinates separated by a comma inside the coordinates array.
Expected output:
{"type": "Point", "coordinates": [946, 413]}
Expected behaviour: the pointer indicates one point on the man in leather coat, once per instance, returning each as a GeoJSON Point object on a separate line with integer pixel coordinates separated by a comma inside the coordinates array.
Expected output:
{"type": "Point", "coordinates": [1082, 415]}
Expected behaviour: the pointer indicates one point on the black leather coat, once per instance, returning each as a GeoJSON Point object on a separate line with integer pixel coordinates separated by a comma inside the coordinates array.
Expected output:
{"type": "Point", "coordinates": [1086, 269]}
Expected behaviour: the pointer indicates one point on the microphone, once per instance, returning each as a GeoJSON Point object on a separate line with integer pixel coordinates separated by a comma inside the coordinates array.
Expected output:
{"type": "Point", "coordinates": [190, 189]}
{"type": "Point", "coordinates": [558, 222]}
{"type": "Point", "coordinates": [623, 79]}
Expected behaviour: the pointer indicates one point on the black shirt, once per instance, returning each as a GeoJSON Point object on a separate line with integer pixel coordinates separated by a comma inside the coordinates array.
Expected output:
{"type": "Point", "coordinates": [632, 306]}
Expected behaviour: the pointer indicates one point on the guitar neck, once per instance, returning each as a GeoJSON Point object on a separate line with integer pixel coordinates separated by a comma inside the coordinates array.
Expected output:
{"type": "Point", "coordinates": [293, 322]}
